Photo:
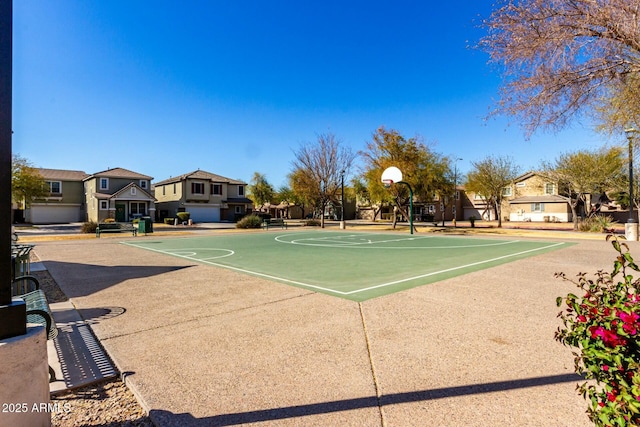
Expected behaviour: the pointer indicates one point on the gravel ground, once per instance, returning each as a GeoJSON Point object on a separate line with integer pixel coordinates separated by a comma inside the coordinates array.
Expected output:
{"type": "Point", "coordinates": [105, 404]}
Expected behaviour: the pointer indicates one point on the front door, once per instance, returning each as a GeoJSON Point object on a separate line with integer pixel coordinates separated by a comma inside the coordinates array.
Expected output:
{"type": "Point", "coordinates": [120, 214]}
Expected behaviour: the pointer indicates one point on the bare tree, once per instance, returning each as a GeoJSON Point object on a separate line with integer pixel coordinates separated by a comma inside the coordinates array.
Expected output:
{"type": "Point", "coordinates": [488, 179]}
{"type": "Point", "coordinates": [318, 169]}
{"type": "Point", "coordinates": [562, 57]}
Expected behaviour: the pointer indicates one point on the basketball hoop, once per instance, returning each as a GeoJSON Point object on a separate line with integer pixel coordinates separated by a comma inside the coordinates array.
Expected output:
{"type": "Point", "coordinates": [391, 175]}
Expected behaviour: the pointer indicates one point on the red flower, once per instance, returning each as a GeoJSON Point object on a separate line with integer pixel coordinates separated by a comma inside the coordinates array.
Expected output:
{"type": "Point", "coordinates": [610, 338]}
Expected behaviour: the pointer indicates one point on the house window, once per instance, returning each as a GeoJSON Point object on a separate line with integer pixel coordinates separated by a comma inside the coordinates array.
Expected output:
{"type": "Point", "coordinates": [143, 184]}
{"type": "Point", "coordinates": [507, 192]}
{"type": "Point", "coordinates": [238, 209]}
{"type": "Point", "coordinates": [138, 208]}
{"type": "Point", "coordinates": [521, 184]}
{"type": "Point", "coordinates": [104, 205]}
{"type": "Point", "coordinates": [174, 188]}
{"type": "Point", "coordinates": [104, 183]}
{"type": "Point", "coordinates": [537, 207]}
{"type": "Point", "coordinates": [164, 187]}
{"type": "Point", "coordinates": [197, 188]}
{"type": "Point", "coordinates": [216, 189]}
{"type": "Point", "coordinates": [432, 209]}
{"type": "Point", "coordinates": [240, 190]}
{"type": "Point", "coordinates": [441, 207]}
{"type": "Point", "coordinates": [134, 191]}
{"type": "Point", "coordinates": [55, 187]}
{"type": "Point", "coordinates": [549, 189]}
{"type": "Point", "coordinates": [457, 195]}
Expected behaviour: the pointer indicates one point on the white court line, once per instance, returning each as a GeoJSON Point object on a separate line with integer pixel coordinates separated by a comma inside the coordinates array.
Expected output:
{"type": "Point", "coordinates": [307, 285]}
{"type": "Point", "coordinates": [452, 269]}
{"type": "Point", "coordinates": [365, 245]}
{"type": "Point", "coordinates": [241, 270]}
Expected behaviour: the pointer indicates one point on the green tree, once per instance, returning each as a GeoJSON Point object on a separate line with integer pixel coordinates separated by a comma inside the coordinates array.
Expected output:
{"type": "Point", "coordinates": [260, 191]}
{"type": "Point", "coordinates": [318, 168]}
{"type": "Point", "coordinates": [421, 168]}
{"type": "Point", "coordinates": [26, 182]}
{"type": "Point", "coordinates": [585, 172]}
{"type": "Point", "coordinates": [562, 57]}
{"type": "Point", "coordinates": [489, 177]}
{"type": "Point", "coordinates": [285, 194]}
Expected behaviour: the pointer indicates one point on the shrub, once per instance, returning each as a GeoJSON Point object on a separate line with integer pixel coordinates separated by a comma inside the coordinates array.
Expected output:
{"type": "Point", "coordinates": [89, 227]}
{"type": "Point", "coordinates": [250, 221]}
{"type": "Point", "coordinates": [603, 327]}
{"type": "Point", "coordinates": [312, 222]}
{"type": "Point", "coordinates": [135, 221]}
{"type": "Point", "coordinates": [107, 220]}
{"type": "Point", "coordinates": [169, 221]}
{"type": "Point", "coordinates": [183, 216]}
{"type": "Point", "coordinates": [596, 224]}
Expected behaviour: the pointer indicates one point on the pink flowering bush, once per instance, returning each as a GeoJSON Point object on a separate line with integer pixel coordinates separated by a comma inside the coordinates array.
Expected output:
{"type": "Point", "coordinates": [603, 327]}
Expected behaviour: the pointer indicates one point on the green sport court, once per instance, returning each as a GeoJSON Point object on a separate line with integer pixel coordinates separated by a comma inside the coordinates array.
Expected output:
{"type": "Point", "coordinates": [352, 265]}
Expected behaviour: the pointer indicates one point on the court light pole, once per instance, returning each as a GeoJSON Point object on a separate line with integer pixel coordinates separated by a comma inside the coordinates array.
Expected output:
{"type": "Point", "coordinates": [342, 227]}
{"type": "Point", "coordinates": [455, 190]}
{"type": "Point", "coordinates": [631, 226]}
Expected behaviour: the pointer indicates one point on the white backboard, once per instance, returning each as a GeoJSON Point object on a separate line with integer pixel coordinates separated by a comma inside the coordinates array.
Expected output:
{"type": "Point", "coordinates": [392, 174]}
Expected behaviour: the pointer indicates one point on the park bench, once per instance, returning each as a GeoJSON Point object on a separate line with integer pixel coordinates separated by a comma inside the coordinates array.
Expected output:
{"type": "Point", "coordinates": [21, 259]}
{"type": "Point", "coordinates": [274, 222]}
{"type": "Point", "coordinates": [39, 313]}
{"type": "Point", "coordinates": [24, 284]}
{"type": "Point", "coordinates": [116, 227]}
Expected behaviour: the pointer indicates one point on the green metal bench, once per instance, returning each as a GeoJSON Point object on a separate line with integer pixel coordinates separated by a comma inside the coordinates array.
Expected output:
{"type": "Point", "coordinates": [39, 312]}
{"type": "Point", "coordinates": [274, 222]}
{"type": "Point", "coordinates": [116, 227]}
{"type": "Point", "coordinates": [24, 284]}
{"type": "Point", "coordinates": [21, 259]}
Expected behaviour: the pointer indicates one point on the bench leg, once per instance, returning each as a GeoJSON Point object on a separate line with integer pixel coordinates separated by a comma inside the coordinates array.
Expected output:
{"type": "Point", "coordinates": [52, 375]}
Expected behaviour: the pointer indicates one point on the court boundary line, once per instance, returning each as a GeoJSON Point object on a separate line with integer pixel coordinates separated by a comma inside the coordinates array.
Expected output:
{"type": "Point", "coordinates": [357, 245]}
{"type": "Point", "coordinates": [333, 291]}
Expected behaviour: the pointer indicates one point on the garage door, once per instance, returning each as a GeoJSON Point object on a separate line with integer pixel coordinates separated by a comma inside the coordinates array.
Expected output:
{"type": "Point", "coordinates": [47, 214]}
{"type": "Point", "coordinates": [204, 213]}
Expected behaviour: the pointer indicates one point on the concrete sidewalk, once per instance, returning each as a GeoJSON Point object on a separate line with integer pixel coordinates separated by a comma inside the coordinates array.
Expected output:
{"type": "Point", "coordinates": [205, 346]}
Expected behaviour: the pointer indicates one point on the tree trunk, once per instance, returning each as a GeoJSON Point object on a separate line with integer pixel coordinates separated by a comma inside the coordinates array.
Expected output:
{"type": "Point", "coordinates": [405, 214]}
{"type": "Point", "coordinates": [395, 216]}
{"type": "Point", "coordinates": [574, 215]}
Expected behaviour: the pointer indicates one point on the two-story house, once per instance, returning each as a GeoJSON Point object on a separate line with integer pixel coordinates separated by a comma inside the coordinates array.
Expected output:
{"type": "Point", "coordinates": [531, 197]}
{"type": "Point", "coordinates": [206, 196]}
{"type": "Point", "coordinates": [64, 202]}
{"type": "Point", "coordinates": [119, 194]}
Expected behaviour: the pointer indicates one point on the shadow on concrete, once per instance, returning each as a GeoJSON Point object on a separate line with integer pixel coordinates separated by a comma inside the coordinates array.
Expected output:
{"type": "Point", "coordinates": [168, 419]}
{"type": "Point", "coordinates": [77, 280]}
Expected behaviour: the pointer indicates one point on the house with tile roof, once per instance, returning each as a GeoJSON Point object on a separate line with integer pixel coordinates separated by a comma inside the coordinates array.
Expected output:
{"type": "Point", "coordinates": [206, 196]}
{"type": "Point", "coordinates": [118, 193]}
{"type": "Point", "coordinates": [64, 202]}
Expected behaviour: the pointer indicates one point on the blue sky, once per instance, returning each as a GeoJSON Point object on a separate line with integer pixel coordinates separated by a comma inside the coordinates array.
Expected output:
{"type": "Point", "coordinates": [234, 87]}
